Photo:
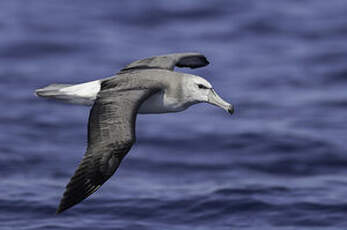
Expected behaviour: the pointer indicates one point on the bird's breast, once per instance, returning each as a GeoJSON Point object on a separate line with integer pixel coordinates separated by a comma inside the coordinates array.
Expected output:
{"type": "Point", "coordinates": [161, 103]}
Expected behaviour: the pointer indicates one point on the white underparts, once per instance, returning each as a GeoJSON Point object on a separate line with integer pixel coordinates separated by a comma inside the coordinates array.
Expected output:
{"type": "Point", "coordinates": [158, 103]}
{"type": "Point", "coordinates": [161, 103]}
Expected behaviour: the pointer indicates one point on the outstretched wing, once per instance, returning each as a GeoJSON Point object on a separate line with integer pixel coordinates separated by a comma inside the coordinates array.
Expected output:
{"type": "Point", "coordinates": [191, 60]}
{"type": "Point", "coordinates": [111, 133]}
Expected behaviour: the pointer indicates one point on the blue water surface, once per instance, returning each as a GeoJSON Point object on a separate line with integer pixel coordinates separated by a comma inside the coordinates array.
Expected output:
{"type": "Point", "coordinates": [279, 162]}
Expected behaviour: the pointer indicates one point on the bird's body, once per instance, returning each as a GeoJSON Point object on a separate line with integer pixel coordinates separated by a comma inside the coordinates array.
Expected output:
{"type": "Point", "coordinates": [145, 86]}
{"type": "Point", "coordinates": [169, 99]}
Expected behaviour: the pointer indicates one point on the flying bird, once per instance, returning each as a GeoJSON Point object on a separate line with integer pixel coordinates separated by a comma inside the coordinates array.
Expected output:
{"type": "Point", "coordinates": [147, 86]}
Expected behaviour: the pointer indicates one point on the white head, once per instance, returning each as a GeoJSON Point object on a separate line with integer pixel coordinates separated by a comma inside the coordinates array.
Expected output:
{"type": "Point", "coordinates": [196, 90]}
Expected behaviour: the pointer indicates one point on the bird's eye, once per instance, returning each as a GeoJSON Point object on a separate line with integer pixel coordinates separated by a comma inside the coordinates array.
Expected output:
{"type": "Point", "coordinates": [202, 86]}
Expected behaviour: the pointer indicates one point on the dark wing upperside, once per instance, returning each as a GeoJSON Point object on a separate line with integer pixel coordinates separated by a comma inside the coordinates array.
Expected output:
{"type": "Point", "coordinates": [111, 133]}
{"type": "Point", "coordinates": [168, 62]}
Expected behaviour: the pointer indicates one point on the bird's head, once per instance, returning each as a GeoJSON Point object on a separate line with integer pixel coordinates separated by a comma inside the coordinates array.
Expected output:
{"type": "Point", "coordinates": [198, 90]}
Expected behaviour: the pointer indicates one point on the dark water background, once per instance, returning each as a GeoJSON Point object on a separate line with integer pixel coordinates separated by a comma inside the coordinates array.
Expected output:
{"type": "Point", "coordinates": [279, 163]}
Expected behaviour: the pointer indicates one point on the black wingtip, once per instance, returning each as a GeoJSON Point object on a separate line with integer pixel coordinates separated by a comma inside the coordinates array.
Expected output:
{"type": "Point", "coordinates": [193, 62]}
{"type": "Point", "coordinates": [205, 61]}
{"type": "Point", "coordinates": [61, 209]}
{"type": "Point", "coordinates": [64, 205]}
{"type": "Point", "coordinates": [58, 212]}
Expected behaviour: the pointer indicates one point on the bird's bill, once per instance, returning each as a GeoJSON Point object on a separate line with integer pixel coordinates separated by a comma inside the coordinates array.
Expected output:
{"type": "Point", "coordinates": [214, 99]}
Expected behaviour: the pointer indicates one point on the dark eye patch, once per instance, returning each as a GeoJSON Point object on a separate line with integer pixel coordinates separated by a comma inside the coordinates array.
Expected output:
{"type": "Point", "coordinates": [202, 86]}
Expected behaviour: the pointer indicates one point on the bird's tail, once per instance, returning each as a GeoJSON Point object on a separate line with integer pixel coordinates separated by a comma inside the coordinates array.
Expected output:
{"type": "Point", "coordinates": [83, 94]}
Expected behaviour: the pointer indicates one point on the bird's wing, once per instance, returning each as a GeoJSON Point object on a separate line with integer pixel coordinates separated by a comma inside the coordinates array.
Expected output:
{"type": "Point", "coordinates": [191, 60]}
{"type": "Point", "coordinates": [111, 133]}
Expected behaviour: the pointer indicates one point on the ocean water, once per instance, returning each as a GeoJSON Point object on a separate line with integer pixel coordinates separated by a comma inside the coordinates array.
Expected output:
{"type": "Point", "coordinates": [279, 162]}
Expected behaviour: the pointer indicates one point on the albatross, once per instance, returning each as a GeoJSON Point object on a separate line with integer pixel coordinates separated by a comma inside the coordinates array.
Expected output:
{"type": "Point", "coordinates": [147, 86]}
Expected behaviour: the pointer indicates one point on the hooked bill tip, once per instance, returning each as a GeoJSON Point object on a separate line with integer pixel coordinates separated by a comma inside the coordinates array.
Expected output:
{"type": "Point", "coordinates": [231, 109]}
